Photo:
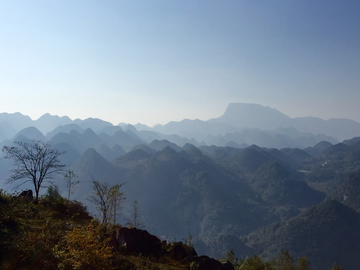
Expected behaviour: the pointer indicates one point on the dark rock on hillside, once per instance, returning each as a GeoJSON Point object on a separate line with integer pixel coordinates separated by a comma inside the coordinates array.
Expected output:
{"type": "Point", "coordinates": [206, 263]}
{"type": "Point", "coordinates": [179, 251]}
{"type": "Point", "coordinates": [136, 241]}
{"type": "Point", "coordinates": [26, 194]}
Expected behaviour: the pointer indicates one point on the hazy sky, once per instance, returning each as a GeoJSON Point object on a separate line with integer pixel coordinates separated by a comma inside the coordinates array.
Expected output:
{"type": "Point", "coordinates": [156, 61]}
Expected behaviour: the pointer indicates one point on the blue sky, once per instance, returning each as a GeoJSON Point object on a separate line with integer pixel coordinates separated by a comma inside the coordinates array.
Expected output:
{"type": "Point", "coordinates": [158, 61]}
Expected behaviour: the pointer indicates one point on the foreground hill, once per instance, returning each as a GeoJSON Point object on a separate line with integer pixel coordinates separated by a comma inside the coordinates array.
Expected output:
{"type": "Point", "coordinates": [325, 233]}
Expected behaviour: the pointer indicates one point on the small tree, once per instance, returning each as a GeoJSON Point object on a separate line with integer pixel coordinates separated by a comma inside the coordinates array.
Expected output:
{"type": "Point", "coordinates": [34, 162]}
{"type": "Point", "coordinates": [82, 248]}
{"type": "Point", "coordinates": [134, 220]}
{"type": "Point", "coordinates": [71, 182]}
{"type": "Point", "coordinates": [107, 200]}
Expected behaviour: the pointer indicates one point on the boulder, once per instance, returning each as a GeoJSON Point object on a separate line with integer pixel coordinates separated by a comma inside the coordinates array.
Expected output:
{"type": "Point", "coordinates": [206, 263]}
{"type": "Point", "coordinates": [179, 251]}
{"type": "Point", "coordinates": [27, 194]}
{"type": "Point", "coordinates": [136, 241]}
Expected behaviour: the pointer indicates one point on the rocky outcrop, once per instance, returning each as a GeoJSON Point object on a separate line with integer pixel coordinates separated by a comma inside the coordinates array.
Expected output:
{"type": "Point", "coordinates": [27, 194]}
{"type": "Point", "coordinates": [136, 241]}
{"type": "Point", "coordinates": [179, 251]}
{"type": "Point", "coordinates": [206, 263]}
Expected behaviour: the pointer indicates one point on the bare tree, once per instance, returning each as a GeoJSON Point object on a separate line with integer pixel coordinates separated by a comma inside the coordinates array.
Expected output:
{"type": "Point", "coordinates": [107, 200]}
{"type": "Point", "coordinates": [135, 220]}
{"type": "Point", "coordinates": [34, 162]}
{"type": "Point", "coordinates": [71, 182]}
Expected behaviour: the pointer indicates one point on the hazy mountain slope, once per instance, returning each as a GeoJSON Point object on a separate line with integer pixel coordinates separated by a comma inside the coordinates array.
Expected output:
{"type": "Point", "coordinates": [49, 122]}
{"type": "Point", "coordinates": [196, 129]}
{"type": "Point", "coordinates": [126, 140]}
{"type": "Point", "coordinates": [106, 152]}
{"type": "Point", "coordinates": [249, 160]}
{"type": "Point", "coordinates": [160, 145]}
{"type": "Point", "coordinates": [6, 131]}
{"type": "Point", "coordinates": [277, 186]}
{"type": "Point", "coordinates": [71, 138]}
{"type": "Point", "coordinates": [89, 167]}
{"type": "Point", "coordinates": [70, 154]}
{"type": "Point", "coordinates": [92, 123]}
{"type": "Point", "coordinates": [341, 129]}
{"type": "Point", "coordinates": [247, 115]}
{"type": "Point", "coordinates": [17, 120]}
{"type": "Point", "coordinates": [110, 130]}
{"type": "Point", "coordinates": [118, 150]}
{"type": "Point", "coordinates": [348, 192]}
{"type": "Point", "coordinates": [256, 116]}
{"type": "Point", "coordinates": [325, 233]}
{"type": "Point", "coordinates": [32, 133]}
{"type": "Point", "coordinates": [65, 129]}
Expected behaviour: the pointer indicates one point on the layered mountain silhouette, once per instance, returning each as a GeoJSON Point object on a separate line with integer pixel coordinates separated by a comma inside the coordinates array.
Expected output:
{"type": "Point", "coordinates": [253, 180]}
{"type": "Point", "coordinates": [241, 125]}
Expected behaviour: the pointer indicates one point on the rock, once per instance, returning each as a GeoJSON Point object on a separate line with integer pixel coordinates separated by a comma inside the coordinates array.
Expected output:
{"type": "Point", "coordinates": [179, 251]}
{"type": "Point", "coordinates": [27, 194]}
{"type": "Point", "coordinates": [206, 263]}
{"type": "Point", "coordinates": [136, 241]}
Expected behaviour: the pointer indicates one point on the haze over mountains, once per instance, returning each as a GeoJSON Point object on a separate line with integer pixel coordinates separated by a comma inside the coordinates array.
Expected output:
{"type": "Point", "coordinates": [253, 180]}
{"type": "Point", "coordinates": [241, 125]}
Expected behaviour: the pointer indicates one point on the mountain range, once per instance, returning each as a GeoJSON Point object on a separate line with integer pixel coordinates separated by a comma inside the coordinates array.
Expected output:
{"type": "Point", "coordinates": [253, 180]}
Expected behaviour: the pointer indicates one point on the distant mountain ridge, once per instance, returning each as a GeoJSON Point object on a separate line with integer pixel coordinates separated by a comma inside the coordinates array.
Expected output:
{"type": "Point", "coordinates": [256, 116]}
{"type": "Point", "coordinates": [241, 125]}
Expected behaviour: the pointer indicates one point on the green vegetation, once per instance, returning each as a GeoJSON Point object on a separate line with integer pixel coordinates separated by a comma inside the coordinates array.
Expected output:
{"type": "Point", "coordinates": [55, 233]}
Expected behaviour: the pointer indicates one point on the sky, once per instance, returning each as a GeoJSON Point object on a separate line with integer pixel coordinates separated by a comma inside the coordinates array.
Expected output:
{"type": "Point", "coordinates": [155, 61]}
